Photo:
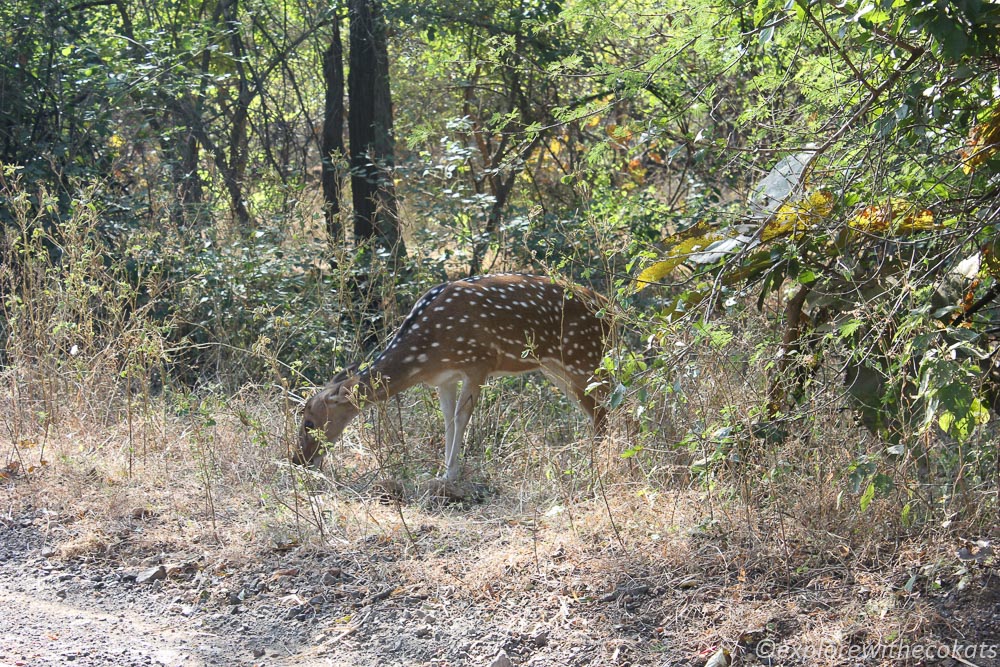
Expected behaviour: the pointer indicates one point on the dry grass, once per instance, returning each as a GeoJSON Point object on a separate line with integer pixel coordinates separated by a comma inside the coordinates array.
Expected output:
{"type": "Point", "coordinates": [649, 570]}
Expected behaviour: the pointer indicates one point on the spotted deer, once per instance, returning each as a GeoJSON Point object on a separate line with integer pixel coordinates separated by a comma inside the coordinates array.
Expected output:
{"type": "Point", "coordinates": [462, 333]}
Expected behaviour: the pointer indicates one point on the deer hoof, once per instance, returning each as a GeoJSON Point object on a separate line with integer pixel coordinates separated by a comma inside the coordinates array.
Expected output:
{"type": "Point", "coordinates": [387, 491]}
{"type": "Point", "coordinates": [443, 490]}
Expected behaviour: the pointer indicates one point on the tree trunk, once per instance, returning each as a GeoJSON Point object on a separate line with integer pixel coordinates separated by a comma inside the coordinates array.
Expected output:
{"type": "Point", "coordinates": [238, 135]}
{"type": "Point", "coordinates": [333, 134]}
{"type": "Point", "coordinates": [370, 121]}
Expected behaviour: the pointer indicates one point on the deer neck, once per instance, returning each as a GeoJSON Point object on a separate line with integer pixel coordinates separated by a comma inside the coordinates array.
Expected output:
{"type": "Point", "coordinates": [385, 378]}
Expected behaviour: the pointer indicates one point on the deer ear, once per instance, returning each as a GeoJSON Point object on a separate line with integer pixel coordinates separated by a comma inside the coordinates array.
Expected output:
{"type": "Point", "coordinates": [339, 394]}
{"type": "Point", "coordinates": [346, 373]}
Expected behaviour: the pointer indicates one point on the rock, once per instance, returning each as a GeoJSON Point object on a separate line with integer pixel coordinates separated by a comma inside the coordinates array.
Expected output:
{"type": "Point", "coordinates": [332, 576]}
{"type": "Point", "coordinates": [151, 575]}
{"type": "Point", "coordinates": [423, 631]}
{"type": "Point", "coordinates": [501, 660]}
{"type": "Point", "coordinates": [541, 639]}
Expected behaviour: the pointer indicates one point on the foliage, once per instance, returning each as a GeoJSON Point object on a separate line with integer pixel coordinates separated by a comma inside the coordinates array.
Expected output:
{"type": "Point", "coordinates": [865, 234]}
{"type": "Point", "coordinates": [832, 165]}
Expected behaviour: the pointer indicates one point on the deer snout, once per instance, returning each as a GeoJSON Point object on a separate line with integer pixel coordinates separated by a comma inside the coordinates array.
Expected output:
{"type": "Point", "coordinates": [305, 454]}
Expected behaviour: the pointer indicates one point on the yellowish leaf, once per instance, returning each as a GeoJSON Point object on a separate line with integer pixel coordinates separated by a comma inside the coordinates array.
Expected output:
{"type": "Point", "coordinates": [796, 217]}
{"type": "Point", "coordinates": [676, 256]}
{"type": "Point", "coordinates": [984, 141]}
{"type": "Point", "coordinates": [896, 216]}
{"type": "Point", "coordinates": [656, 272]}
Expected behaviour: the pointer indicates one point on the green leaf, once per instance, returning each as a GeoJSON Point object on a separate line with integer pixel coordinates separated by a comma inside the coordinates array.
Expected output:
{"type": "Point", "coordinates": [848, 328]}
{"type": "Point", "coordinates": [807, 276]}
{"type": "Point", "coordinates": [617, 396]}
{"type": "Point", "coordinates": [631, 451]}
{"type": "Point", "coordinates": [867, 496]}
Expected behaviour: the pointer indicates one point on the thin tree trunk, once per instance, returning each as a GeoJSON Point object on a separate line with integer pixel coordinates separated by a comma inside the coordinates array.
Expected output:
{"type": "Point", "coordinates": [237, 162]}
{"type": "Point", "coordinates": [333, 134]}
{"type": "Point", "coordinates": [370, 122]}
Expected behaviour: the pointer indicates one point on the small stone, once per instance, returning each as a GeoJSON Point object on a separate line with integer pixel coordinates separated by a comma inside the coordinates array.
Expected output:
{"type": "Point", "coordinates": [140, 513]}
{"type": "Point", "coordinates": [501, 660]}
{"type": "Point", "coordinates": [259, 652]}
{"type": "Point", "coordinates": [423, 631]}
{"type": "Point", "coordinates": [541, 639]}
{"type": "Point", "coordinates": [151, 575]}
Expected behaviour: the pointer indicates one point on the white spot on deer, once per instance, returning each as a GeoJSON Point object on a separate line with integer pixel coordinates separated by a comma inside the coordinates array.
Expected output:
{"type": "Point", "coordinates": [422, 358]}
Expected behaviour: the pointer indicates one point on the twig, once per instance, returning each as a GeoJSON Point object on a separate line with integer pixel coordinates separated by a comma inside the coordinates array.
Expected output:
{"type": "Point", "coordinates": [836, 47]}
{"type": "Point", "coordinates": [350, 629]}
{"type": "Point", "coordinates": [967, 313]}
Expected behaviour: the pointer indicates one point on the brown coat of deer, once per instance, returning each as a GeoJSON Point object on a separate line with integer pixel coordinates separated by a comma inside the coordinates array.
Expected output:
{"type": "Point", "coordinates": [461, 333]}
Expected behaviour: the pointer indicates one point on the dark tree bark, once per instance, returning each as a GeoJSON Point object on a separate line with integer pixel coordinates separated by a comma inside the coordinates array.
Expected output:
{"type": "Point", "coordinates": [238, 135]}
{"type": "Point", "coordinates": [333, 134]}
{"type": "Point", "coordinates": [370, 123]}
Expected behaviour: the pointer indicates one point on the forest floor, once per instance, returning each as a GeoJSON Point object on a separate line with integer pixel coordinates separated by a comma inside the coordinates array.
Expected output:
{"type": "Point", "coordinates": [487, 584]}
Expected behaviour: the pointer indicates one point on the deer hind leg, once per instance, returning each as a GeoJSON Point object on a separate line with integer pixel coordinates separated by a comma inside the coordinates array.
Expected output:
{"type": "Point", "coordinates": [590, 404]}
{"type": "Point", "coordinates": [574, 386]}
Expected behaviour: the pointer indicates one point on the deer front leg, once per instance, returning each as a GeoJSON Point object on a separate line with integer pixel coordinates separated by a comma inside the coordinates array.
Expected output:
{"type": "Point", "coordinates": [463, 413]}
{"type": "Point", "coordinates": [448, 398]}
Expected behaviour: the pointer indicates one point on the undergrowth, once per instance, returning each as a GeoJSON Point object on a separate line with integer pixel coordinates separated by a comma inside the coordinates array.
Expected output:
{"type": "Point", "coordinates": [150, 373]}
